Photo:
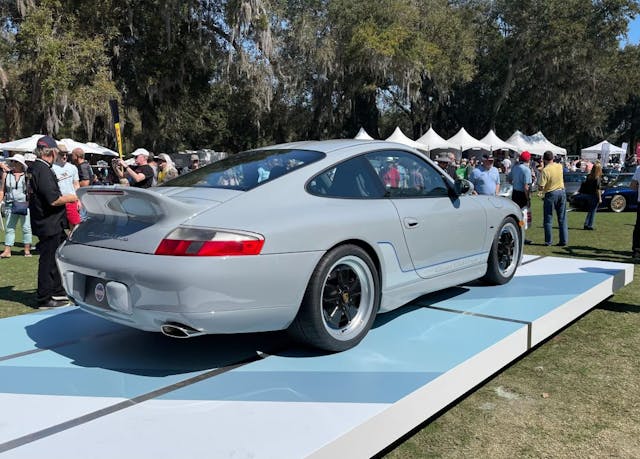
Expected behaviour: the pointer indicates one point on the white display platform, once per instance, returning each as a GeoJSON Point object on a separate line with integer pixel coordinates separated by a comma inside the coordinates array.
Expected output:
{"type": "Point", "coordinates": [73, 385]}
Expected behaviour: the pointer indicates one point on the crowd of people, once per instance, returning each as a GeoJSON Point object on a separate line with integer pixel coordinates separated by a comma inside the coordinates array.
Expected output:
{"type": "Point", "coordinates": [143, 170]}
{"type": "Point", "coordinates": [545, 174]}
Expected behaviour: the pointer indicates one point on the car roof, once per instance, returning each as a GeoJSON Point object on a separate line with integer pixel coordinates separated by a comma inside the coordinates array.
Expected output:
{"type": "Point", "coordinates": [328, 146]}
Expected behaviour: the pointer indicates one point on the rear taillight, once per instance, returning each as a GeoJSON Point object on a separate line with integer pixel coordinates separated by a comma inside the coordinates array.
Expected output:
{"type": "Point", "coordinates": [196, 242]}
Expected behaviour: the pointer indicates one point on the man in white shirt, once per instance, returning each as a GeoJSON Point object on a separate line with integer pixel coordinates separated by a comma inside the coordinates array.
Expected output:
{"type": "Point", "coordinates": [68, 182]}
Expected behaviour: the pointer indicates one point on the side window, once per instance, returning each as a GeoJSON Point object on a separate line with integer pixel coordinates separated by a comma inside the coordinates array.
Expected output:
{"type": "Point", "coordinates": [404, 174]}
{"type": "Point", "coordinates": [351, 179]}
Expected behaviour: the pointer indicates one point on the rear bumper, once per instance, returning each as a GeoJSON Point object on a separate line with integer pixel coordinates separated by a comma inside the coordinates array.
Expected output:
{"type": "Point", "coordinates": [211, 294]}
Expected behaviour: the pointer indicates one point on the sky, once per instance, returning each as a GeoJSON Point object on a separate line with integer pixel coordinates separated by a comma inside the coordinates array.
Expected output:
{"type": "Point", "coordinates": [634, 31]}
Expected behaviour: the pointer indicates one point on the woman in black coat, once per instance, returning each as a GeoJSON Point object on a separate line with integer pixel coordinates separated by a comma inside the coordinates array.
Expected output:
{"type": "Point", "coordinates": [591, 188]}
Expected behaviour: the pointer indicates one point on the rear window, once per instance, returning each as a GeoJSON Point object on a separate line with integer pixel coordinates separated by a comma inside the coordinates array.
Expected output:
{"type": "Point", "coordinates": [247, 170]}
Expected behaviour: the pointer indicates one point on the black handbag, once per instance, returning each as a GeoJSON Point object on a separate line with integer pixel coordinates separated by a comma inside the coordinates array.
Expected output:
{"type": "Point", "coordinates": [19, 207]}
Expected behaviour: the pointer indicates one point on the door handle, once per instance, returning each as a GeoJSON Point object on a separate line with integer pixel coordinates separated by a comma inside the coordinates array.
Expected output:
{"type": "Point", "coordinates": [411, 222]}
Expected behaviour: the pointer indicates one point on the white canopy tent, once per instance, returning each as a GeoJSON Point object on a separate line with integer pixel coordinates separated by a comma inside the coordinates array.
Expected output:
{"type": "Point", "coordinates": [102, 150]}
{"type": "Point", "coordinates": [535, 144]}
{"type": "Point", "coordinates": [27, 145]}
{"type": "Point", "coordinates": [523, 142]}
{"type": "Point", "coordinates": [496, 143]}
{"type": "Point", "coordinates": [363, 135]}
{"type": "Point", "coordinates": [72, 145]}
{"type": "Point", "coordinates": [539, 137]}
{"type": "Point", "coordinates": [399, 137]}
{"type": "Point", "coordinates": [595, 151]}
{"type": "Point", "coordinates": [465, 141]}
{"type": "Point", "coordinates": [432, 140]}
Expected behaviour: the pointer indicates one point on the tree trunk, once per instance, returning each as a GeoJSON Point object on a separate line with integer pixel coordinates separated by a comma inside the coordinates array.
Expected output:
{"type": "Point", "coordinates": [365, 113]}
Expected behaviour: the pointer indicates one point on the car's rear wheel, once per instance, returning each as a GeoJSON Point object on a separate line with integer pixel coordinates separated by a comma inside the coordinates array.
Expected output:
{"type": "Point", "coordinates": [618, 203]}
{"type": "Point", "coordinates": [341, 300]}
{"type": "Point", "coordinates": [505, 253]}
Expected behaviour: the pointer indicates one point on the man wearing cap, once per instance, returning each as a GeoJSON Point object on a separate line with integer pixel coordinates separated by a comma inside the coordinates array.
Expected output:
{"type": "Point", "coordinates": [520, 178]}
{"type": "Point", "coordinates": [141, 175]}
{"type": "Point", "coordinates": [445, 163]}
{"type": "Point", "coordinates": [552, 189]}
{"type": "Point", "coordinates": [48, 221]}
{"type": "Point", "coordinates": [485, 177]}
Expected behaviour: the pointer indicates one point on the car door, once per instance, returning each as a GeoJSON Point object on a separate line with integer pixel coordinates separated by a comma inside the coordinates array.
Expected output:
{"type": "Point", "coordinates": [443, 232]}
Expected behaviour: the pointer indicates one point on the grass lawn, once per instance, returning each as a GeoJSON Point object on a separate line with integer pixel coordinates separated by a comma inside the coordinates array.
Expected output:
{"type": "Point", "coordinates": [575, 395]}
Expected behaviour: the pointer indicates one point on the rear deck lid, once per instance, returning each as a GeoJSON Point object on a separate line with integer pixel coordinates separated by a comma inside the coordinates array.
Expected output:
{"type": "Point", "coordinates": [136, 220]}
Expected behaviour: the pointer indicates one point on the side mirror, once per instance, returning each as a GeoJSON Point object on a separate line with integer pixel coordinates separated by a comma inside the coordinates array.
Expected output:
{"type": "Point", "coordinates": [462, 186]}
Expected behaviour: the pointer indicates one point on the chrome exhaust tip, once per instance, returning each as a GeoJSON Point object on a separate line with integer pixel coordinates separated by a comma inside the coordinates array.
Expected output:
{"type": "Point", "coordinates": [176, 330]}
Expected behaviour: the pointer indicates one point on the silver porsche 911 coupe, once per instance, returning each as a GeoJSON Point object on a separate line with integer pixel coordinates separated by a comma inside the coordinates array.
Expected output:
{"type": "Point", "coordinates": [315, 237]}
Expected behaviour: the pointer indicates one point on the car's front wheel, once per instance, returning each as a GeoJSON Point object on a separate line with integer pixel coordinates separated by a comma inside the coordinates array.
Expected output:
{"type": "Point", "coordinates": [618, 203]}
{"type": "Point", "coordinates": [505, 253]}
{"type": "Point", "coordinates": [341, 300]}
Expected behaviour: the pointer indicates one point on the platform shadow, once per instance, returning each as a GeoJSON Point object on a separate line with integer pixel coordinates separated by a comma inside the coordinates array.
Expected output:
{"type": "Point", "coordinates": [102, 344]}
{"type": "Point", "coordinates": [619, 307]}
{"type": "Point", "coordinates": [25, 297]}
{"type": "Point", "coordinates": [585, 251]}
{"type": "Point", "coordinates": [425, 300]}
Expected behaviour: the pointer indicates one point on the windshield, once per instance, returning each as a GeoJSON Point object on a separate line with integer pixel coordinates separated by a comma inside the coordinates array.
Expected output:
{"type": "Point", "coordinates": [247, 170]}
{"type": "Point", "coordinates": [623, 180]}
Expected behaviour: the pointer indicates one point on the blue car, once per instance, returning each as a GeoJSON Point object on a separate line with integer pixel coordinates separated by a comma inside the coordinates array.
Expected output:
{"type": "Point", "coordinates": [618, 197]}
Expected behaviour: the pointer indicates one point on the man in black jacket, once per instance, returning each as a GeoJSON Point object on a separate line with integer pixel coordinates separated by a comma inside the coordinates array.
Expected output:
{"type": "Point", "coordinates": [48, 222]}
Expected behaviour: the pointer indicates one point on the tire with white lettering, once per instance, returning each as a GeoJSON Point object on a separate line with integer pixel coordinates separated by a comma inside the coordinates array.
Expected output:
{"type": "Point", "coordinates": [505, 253]}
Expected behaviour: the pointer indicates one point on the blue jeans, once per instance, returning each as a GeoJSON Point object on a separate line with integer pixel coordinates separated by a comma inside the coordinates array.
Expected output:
{"type": "Point", "coordinates": [555, 200]}
{"type": "Point", "coordinates": [590, 219]}
{"type": "Point", "coordinates": [10, 230]}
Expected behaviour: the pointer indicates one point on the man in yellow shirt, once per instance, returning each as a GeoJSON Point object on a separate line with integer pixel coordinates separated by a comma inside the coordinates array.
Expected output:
{"type": "Point", "coordinates": [552, 187]}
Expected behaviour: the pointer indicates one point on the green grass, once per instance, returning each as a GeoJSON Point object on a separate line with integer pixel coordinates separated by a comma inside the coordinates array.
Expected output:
{"type": "Point", "coordinates": [576, 395]}
{"type": "Point", "coordinates": [17, 279]}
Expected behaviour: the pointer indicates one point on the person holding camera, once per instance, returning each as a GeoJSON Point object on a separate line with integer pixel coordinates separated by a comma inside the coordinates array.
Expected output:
{"type": "Point", "coordinates": [13, 191]}
{"type": "Point", "coordinates": [140, 175]}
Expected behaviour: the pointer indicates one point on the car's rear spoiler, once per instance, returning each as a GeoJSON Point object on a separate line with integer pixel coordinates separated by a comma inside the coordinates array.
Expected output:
{"type": "Point", "coordinates": [118, 201]}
